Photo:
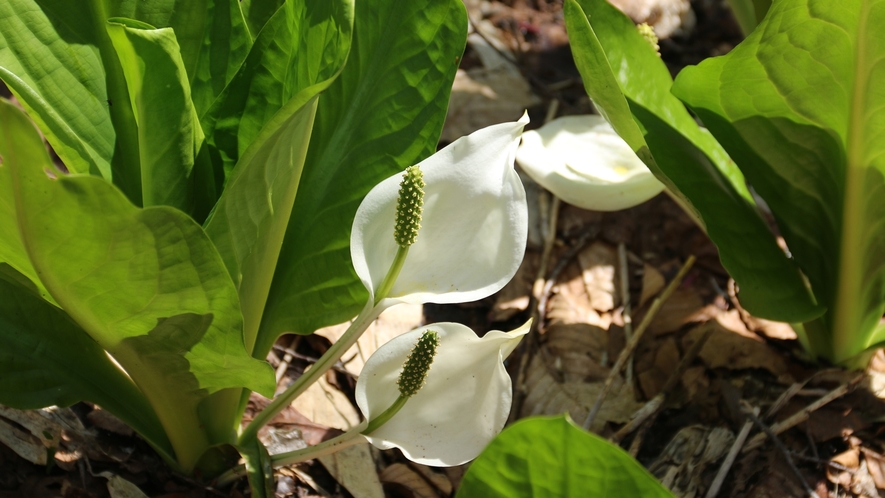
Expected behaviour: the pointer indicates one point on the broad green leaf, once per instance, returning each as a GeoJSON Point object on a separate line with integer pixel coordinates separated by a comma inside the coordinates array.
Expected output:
{"type": "Point", "coordinates": [303, 44]}
{"type": "Point", "coordinates": [636, 100]}
{"type": "Point", "coordinates": [250, 219]}
{"type": "Point", "coordinates": [257, 12]}
{"type": "Point", "coordinates": [46, 359]}
{"type": "Point", "coordinates": [168, 131]}
{"type": "Point", "coordinates": [552, 457]}
{"type": "Point", "coordinates": [146, 284]}
{"type": "Point", "coordinates": [12, 251]}
{"type": "Point", "coordinates": [384, 113]}
{"type": "Point", "coordinates": [60, 63]}
{"type": "Point", "coordinates": [799, 106]}
{"type": "Point", "coordinates": [51, 61]}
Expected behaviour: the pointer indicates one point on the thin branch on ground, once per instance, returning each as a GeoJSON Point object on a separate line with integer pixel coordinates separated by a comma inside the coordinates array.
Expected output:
{"type": "Point", "coordinates": [292, 354]}
{"type": "Point", "coordinates": [724, 469]}
{"type": "Point", "coordinates": [651, 407]}
{"type": "Point", "coordinates": [627, 352]}
{"type": "Point", "coordinates": [751, 414]}
{"type": "Point", "coordinates": [803, 414]}
{"type": "Point", "coordinates": [625, 300]}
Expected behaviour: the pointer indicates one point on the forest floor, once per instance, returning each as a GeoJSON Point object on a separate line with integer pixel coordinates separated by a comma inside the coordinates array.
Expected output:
{"type": "Point", "coordinates": [828, 423]}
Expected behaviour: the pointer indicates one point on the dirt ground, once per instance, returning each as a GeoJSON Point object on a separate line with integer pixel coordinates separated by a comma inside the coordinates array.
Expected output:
{"type": "Point", "coordinates": [702, 358]}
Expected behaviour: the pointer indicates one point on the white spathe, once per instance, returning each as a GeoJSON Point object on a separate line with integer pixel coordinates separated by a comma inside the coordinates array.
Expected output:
{"type": "Point", "coordinates": [473, 230]}
{"type": "Point", "coordinates": [463, 405]}
{"type": "Point", "coordinates": [585, 163]}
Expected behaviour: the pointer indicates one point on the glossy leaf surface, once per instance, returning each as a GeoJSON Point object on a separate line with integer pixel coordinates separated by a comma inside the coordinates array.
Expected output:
{"type": "Point", "coordinates": [551, 456]}
{"type": "Point", "coordinates": [384, 113]}
{"type": "Point", "coordinates": [635, 98]}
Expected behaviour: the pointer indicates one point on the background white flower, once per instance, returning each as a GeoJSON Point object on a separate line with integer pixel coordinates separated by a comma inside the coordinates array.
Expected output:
{"type": "Point", "coordinates": [585, 163]}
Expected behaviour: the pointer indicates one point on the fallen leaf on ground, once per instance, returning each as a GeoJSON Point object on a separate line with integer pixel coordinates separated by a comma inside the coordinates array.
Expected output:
{"type": "Point", "coordinates": [732, 346]}
{"type": "Point", "coordinates": [547, 396]}
{"type": "Point", "coordinates": [394, 322]}
{"type": "Point", "coordinates": [354, 468]}
{"type": "Point", "coordinates": [599, 263]}
{"type": "Point", "coordinates": [400, 475]}
{"type": "Point", "coordinates": [682, 307]}
{"type": "Point", "coordinates": [652, 283]}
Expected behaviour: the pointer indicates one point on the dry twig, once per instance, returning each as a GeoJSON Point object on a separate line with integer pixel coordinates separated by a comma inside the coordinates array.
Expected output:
{"type": "Point", "coordinates": [716, 485]}
{"type": "Point", "coordinates": [751, 414]}
{"type": "Point", "coordinates": [803, 414]}
{"type": "Point", "coordinates": [627, 352]}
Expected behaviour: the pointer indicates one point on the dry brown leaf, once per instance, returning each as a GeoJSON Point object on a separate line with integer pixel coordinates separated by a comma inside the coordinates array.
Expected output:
{"type": "Point", "coordinates": [875, 466]}
{"type": "Point", "coordinates": [684, 306]}
{"type": "Point", "coordinates": [482, 97]}
{"type": "Point", "coordinates": [732, 346]}
{"type": "Point", "coordinates": [570, 302]}
{"type": "Point", "coordinates": [393, 322]}
{"type": "Point", "coordinates": [652, 283]}
{"type": "Point", "coordinates": [354, 468]}
{"type": "Point", "coordinates": [599, 263]}
{"type": "Point", "coordinates": [687, 455]}
{"type": "Point", "coordinates": [666, 359]}
{"type": "Point", "coordinates": [104, 419]}
{"type": "Point", "coordinates": [545, 395]}
{"type": "Point", "coordinates": [439, 480]}
{"type": "Point", "coordinates": [514, 297]}
{"type": "Point", "coordinates": [399, 474]}
{"type": "Point", "coordinates": [576, 351]}
{"type": "Point", "coordinates": [324, 404]}
{"type": "Point", "coordinates": [119, 487]}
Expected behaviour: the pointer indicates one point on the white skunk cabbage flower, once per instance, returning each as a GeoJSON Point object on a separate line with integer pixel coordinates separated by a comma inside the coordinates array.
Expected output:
{"type": "Point", "coordinates": [585, 163]}
{"type": "Point", "coordinates": [472, 230]}
{"type": "Point", "coordinates": [463, 404]}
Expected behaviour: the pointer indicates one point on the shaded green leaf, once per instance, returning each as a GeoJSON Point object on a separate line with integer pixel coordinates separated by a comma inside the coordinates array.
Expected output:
{"type": "Point", "coordinates": [799, 106]}
{"type": "Point", "coordinates": [303, 44]}
{"type": "Point", "coordinates": [551, 456]}
{"type": "Point", "coordinates": [168, 131]}
{"type": "Point", "coordinates": [250, 219]}
{"type": "Point", "coordinates": [637, 101]}
{"type": "Point", "coordinates": [46, 359]}
{"type": "Point", "coordinates": [121, 272]}
{"type": "Point", "coordinates": [384, 113]}
{"type": "Point", "coordinates": [257, 12]}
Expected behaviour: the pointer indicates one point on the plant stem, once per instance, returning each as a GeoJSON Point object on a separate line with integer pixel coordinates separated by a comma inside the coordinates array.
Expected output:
{"type": "Point", "coordinates": [386, 415]}
{"type": "Point", "coordinates": [392, 274]}
{"type": "Point", "coordinates": [332, 355]}
{"type": "Point", "coordinates": [350, 438]}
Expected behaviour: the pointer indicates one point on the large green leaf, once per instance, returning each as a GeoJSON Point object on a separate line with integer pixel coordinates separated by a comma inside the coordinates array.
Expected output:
{"type": "Point", "coordinates": [146, 284]}
{"type": "Point", "coordinates": [168, 131]}
{"type": "Point", "coordinates": [60, 63]}
{"type": "Point", "coordinates": [384, 113]}
{"type": "Point", "coordinates": [552, 457]}
{"type": "Point", "coordinates": [636, 100]}
{"type": "Point", "coordinates": [303, 44]}
{"type": "Point", "coordinates": [799, 105]}
{"type": "Point", "coordinates": [257, 12]}
{"type": "Point", "coordinates": [46, 359]}
{"type": "Point", "coordinates": [250, 219]}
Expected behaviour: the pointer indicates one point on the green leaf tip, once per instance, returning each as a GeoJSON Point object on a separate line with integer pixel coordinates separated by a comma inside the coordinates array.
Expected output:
{"type": "Point", "coordinates": [409, 207]}
{"type": "Point", "coordinates": [648, 33]}
{"type": "Point", "coordinates": [411, 380]}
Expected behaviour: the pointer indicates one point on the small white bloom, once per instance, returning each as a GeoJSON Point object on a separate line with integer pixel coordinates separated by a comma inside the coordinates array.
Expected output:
{"type": "Point", "coordinates": [473, 228]}
{"type": "Point", "coordinates": [585, 163]}
{"type": "Point", "coordinates": [463, 404]}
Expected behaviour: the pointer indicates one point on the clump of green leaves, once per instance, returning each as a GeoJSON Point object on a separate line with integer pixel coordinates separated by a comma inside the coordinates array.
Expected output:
{"type": "Point", "coordinates": [793, 110]}
{"type": "Point", "coordinates": [214, 156]}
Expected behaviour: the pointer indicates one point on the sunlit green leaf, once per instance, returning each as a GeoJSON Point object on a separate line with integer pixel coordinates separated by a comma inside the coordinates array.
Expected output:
{"type": "Point", "coordinates": [635, 98]}
{"type": "Point", "coordinates": [552, 457]}
{"type": "Point", "coordinates": [384, 113]}
{"type": "Point", "coordinates": [799, 106]}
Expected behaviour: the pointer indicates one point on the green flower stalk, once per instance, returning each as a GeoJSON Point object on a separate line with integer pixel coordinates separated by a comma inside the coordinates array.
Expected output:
{"type": "Point", "coordinates": [412, 378]}
{"type": "Point", "coordinates": [409, 208]}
